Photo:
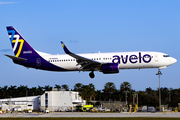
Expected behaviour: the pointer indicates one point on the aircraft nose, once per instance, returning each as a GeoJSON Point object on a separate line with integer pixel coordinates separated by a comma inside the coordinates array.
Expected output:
{"type": "Point", "coordinates": [173, 60]}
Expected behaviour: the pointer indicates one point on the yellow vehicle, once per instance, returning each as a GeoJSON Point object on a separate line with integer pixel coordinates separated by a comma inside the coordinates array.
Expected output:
{"type": "Point", "coordinates": [84, 108]}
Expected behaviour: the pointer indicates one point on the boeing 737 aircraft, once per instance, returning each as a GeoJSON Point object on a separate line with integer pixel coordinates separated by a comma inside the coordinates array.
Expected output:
{"type": "Point", "coordinates": [106, 63]}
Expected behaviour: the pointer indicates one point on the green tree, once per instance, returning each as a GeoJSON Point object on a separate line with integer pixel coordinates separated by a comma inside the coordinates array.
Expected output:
{"type": "Point", "coordinates": [175, 99]}
{"type": "Point", "coordinates": [165, 95]}
{"type": "Point", "coordinates": [109, 88]}
{"type": "Point", "coordinates": [40, 90]}
{"type": "Point", "coordinates": [92, 91]}
{"type": "Point", "coordinates": [125, 87]}
{"type": "Point", "coordinates": [87, 92]}
{"type": "Point", "coordinates": [57, 86]}
{"type": "Point", "coordinates": [47, 88]}
{"type": "Point", "coordinates": [65, 87]}
{"type": "Point", "coordinates": [1, 95]}
{"type": "Point", "coordinates": [32, 91]}
{"type": "Point", "coordinates": [12, 91]}
{"type": "Point", "coordinates": [5, 93]}
{"type": "Point", "coordinates": [22, 90]}
{"type": "Point", "coordinates": [98, 95]}
{"type": "Point", "coordinates": [84, 92]}
{"type": "Point", "coordinates": [117, 95]}
{"type": "Point", "coordinates": [77, 87]}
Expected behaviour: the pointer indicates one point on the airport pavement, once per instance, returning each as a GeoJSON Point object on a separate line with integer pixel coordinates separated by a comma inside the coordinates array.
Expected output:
{"type": "Point", "coordinates": [89, 114]}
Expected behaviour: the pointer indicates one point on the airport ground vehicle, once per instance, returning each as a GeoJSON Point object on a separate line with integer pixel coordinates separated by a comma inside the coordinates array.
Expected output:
{"type": "Point", "coordinates": [148, 109]}
{"type": "Point", "coordinates": [101, 109]}
{"type": "Point", "coordinates": [46, 111]}
{"type": "Point", "coordinates": [84, 108]}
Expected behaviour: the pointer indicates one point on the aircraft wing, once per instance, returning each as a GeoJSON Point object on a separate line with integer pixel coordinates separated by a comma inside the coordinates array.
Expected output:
{"type": "Point", "coordinates": [85, 63]}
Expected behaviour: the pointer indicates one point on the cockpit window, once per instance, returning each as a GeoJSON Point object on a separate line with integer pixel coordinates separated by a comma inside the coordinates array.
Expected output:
{"type": "Point", "coordinates": [166, 56]}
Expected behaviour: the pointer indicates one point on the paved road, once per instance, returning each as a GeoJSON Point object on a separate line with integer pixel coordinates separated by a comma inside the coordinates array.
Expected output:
{"type": "Point", "coordinates": [88, 114]}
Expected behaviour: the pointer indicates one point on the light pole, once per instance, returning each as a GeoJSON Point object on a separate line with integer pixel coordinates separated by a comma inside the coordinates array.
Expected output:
{"type": "Point", "coordinates": [159, 74]}
{"type": "Point", "coordinates": [137, 99]}
{"type": "Point", "coordinates": [135, 95]}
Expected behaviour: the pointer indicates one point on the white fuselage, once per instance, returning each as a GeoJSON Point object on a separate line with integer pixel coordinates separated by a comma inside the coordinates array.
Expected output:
{"type": "Point", "coordinates": [125, 60]}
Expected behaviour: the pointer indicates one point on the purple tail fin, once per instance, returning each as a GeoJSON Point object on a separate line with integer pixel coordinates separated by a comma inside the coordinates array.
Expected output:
{"type": "Point", "coordinates": [20, 46]}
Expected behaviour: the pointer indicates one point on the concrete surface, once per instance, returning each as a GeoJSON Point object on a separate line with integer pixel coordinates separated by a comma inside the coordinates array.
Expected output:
{"type": "Point", "coordinates": [89, 114]}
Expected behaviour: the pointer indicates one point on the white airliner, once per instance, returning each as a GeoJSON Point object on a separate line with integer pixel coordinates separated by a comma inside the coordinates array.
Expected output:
{"type": "Point", "coordinates": [107, 63]}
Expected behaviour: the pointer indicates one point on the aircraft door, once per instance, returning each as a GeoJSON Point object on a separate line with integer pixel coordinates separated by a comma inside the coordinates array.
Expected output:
{"type": "Point", "coordinates": [103, 60]}
{"type": "Point", "coordinates": [156, 57]}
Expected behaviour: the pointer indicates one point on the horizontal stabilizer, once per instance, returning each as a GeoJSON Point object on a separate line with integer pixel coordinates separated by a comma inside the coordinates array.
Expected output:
{"type": "Point", "coordinates": [16, 58]}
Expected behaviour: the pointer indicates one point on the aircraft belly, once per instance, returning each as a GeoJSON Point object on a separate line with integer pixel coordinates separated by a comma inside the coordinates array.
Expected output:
{"type": "Point", "coordinates": [136, 66]}
{"type": "Point", "coordinates": [67, 66]}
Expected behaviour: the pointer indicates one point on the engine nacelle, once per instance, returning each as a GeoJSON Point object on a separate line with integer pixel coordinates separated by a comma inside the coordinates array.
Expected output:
{"type": "Point", "coordinates": [108, 68]}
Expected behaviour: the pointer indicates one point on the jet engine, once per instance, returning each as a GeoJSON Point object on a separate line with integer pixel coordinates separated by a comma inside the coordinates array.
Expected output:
{"type": "Point", "coordinates": [109, 68]}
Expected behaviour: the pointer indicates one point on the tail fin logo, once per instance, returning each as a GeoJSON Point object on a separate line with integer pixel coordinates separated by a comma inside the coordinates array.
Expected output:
{"type": "Point", "coordinates": [14, 41]}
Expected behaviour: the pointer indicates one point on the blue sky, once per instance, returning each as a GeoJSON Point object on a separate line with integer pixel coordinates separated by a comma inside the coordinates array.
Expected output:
{"type": "Point", "coordinates": [89, 26]}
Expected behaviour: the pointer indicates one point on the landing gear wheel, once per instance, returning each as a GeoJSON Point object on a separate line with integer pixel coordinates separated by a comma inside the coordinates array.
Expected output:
{"type": "Point", "coordinates": [159, 72]}
{"type": "Point", "coordinates": [91, 74]}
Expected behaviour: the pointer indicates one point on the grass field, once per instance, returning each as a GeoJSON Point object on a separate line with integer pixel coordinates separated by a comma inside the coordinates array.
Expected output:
{"type": "Point", "coordinates": [136, 118]}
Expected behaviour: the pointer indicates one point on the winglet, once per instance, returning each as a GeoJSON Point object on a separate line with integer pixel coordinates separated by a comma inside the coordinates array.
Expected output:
{"type": "Point", "coordinates": [65, 48]}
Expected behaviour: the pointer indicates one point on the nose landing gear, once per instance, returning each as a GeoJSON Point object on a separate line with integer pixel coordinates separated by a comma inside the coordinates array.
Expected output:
{"type": "Point", "coordinates": [91, 74]}
{"type": "Point", "coordinates": [159, 72]}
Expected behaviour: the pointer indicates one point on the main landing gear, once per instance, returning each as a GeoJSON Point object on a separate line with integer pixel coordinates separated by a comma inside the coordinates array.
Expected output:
{"type": "Point", "coordinates": [91, 74]}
